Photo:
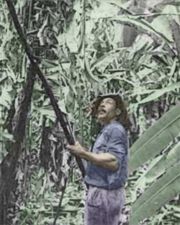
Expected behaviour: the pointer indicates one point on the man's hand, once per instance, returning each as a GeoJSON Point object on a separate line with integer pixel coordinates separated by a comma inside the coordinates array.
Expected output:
{"type": "Point", "coordinates": [76, 149]}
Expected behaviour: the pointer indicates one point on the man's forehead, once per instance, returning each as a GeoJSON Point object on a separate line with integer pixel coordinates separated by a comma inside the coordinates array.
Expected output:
{"type": "Point", "coordinates": [108, 99]}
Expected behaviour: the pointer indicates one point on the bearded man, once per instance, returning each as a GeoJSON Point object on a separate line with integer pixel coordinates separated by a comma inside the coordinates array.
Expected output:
{"type": "Point", "coordinates": [107, 162]}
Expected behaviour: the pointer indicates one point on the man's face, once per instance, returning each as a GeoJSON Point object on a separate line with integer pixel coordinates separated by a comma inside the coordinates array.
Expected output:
{"type": "Point", "coordinates": [106, 111]}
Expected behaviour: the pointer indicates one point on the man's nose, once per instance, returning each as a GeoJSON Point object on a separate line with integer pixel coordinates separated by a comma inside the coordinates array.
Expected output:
{"type": "Point", "coordinates": [102, 104]}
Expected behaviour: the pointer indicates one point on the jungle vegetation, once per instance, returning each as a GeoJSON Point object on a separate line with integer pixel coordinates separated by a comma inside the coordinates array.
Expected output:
{"type": "Point", "coordinates": [85, 48]}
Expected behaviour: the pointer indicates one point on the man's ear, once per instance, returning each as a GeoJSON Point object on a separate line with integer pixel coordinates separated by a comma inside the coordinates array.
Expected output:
{"type": "Point", "coordinates": [118, 112]}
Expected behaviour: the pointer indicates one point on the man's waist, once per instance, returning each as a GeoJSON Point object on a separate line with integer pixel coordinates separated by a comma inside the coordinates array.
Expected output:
{"type": "Point", "coordinates": [104, 185]}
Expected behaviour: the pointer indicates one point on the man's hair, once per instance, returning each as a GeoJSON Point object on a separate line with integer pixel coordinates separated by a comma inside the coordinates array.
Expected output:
{"type": "Point", "coordinates": [123, 118]}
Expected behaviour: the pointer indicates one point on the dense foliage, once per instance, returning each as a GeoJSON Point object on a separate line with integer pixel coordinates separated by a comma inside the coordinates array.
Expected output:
{"type": "Point", "coordinates": [85, 48]}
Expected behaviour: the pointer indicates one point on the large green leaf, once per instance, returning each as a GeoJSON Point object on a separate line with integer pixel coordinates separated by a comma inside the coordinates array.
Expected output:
{"type": "Point", "coordinates": [164, 163]}
{"type": "Point", "coordinates": [157, 195]}
{"type": "Point", "coordinates": [158, 166]}
{"type": "Point", "coordinates": [156, 138]}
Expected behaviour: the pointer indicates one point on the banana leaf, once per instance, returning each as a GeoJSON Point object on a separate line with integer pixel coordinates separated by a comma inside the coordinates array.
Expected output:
{"type": "Point", "coordinates": [155, 139]}
{"type": "Point", "coordinates": [159, 166]}
{"type": "Point", "coordinates": [157, 195]}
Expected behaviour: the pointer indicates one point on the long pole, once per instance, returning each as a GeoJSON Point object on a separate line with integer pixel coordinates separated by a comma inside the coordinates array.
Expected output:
{"type": "Point", "coordinates": [59, 114]}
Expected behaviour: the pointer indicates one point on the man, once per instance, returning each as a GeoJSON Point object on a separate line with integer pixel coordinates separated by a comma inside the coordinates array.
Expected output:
{"type": "Point", "coordinates": [106, 172]}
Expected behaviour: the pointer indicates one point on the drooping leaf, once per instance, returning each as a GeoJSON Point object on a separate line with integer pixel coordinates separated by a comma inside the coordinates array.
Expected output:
{"type": "Point", "coordinates": [157, 93]}
{"type": "Point", "coordinates": [142, 24]}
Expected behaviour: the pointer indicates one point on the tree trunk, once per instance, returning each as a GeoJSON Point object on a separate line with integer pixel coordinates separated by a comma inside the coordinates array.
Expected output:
{"type": "Point", "coordinates": [8, 167]}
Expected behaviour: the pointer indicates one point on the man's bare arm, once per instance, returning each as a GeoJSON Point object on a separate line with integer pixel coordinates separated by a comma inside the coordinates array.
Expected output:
{"type": "Point", "coordinates": [105, 160]}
